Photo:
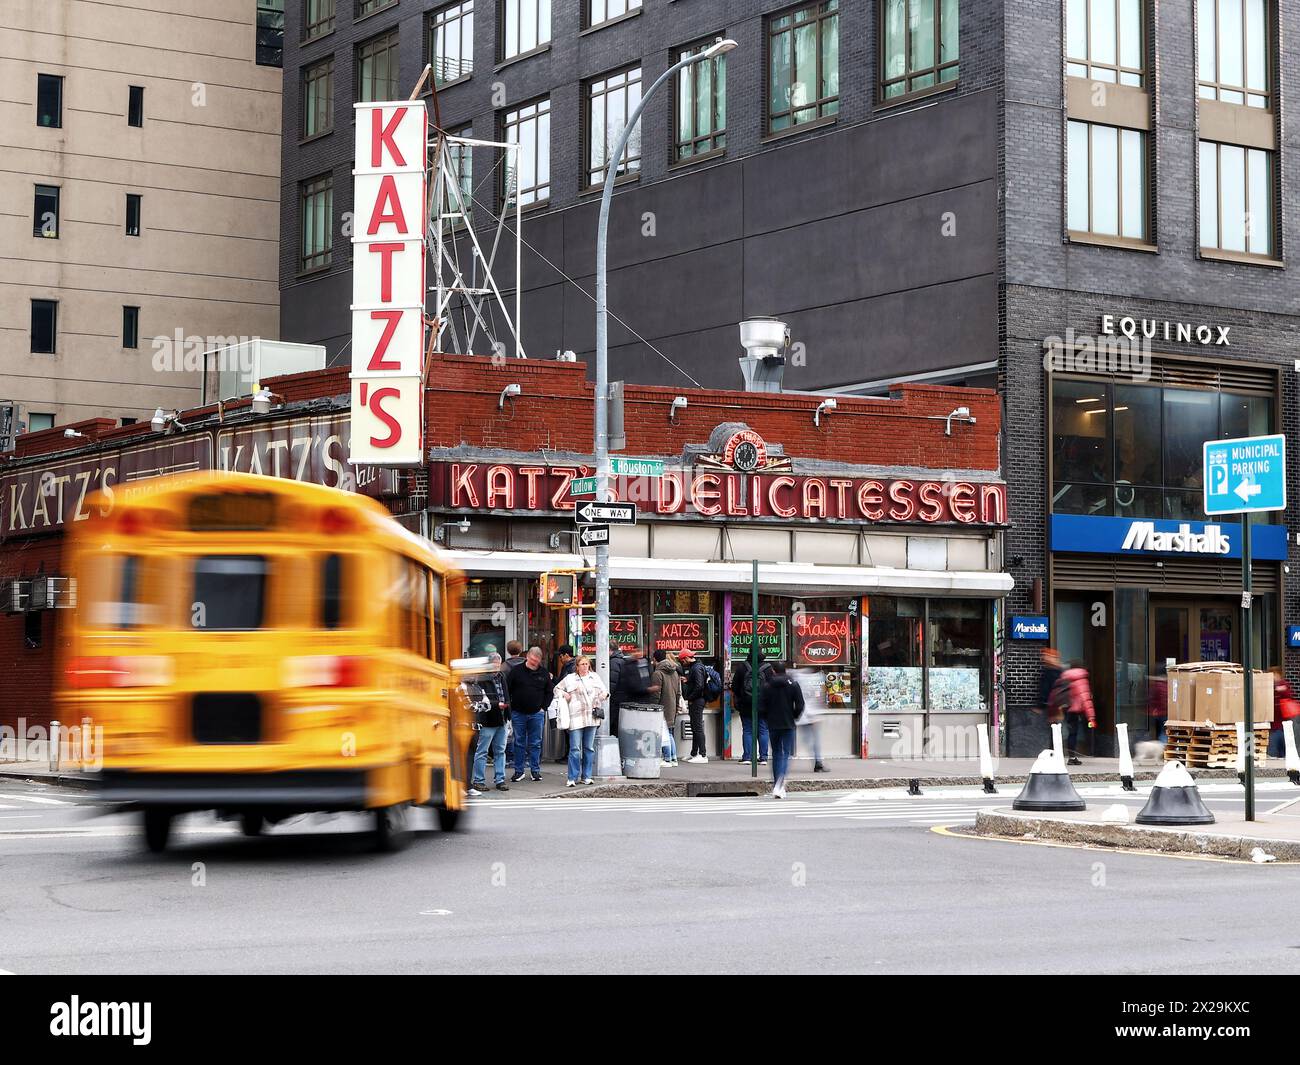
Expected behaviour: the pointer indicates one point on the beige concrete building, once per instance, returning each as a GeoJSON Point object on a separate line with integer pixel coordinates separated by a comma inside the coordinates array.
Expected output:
{"type": "Point", "coordinates": [140, 186]}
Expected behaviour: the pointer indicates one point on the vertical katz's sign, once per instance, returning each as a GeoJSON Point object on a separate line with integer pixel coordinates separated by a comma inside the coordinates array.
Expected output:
{"type": "Point", "coordinates": [388, 249]}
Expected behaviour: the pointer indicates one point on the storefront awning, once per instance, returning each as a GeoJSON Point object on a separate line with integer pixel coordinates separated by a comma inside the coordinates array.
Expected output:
{"type": "Point", "coordinates": [775, 578]}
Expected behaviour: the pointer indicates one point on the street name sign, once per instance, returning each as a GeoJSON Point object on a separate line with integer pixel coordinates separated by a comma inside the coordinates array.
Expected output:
{"type": "Point", "coordinates": [591, 535]}
{"type": "Point", "coordinates": [637, 467]}
{"type": "Point", "coordinates": [606, 513]}
{"type": "Point", "coordinates": [1246, 475]}
{"type": "Point", "coordinates": [582, 486]}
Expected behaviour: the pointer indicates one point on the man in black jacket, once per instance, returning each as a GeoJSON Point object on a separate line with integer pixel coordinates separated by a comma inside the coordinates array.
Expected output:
{"type": "Point", "coordinates": [530, 690]}
{"type": "Point", "coordinates": [494, 705]}
{"type": "Point", "coordinates": [782, 705]}
{"type": "Point", "coordinates": [695, 693]}
{"type": "Point", "coordinates": [740, 699]}
{"type": "Point", "coordinates": [630, 681]}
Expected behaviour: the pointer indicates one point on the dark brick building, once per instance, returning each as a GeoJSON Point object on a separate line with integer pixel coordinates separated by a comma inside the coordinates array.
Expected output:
{"type": "Point", "coordinates": [1066, 170]}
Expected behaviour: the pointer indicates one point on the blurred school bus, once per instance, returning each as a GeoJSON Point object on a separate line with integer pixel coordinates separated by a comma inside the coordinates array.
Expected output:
{"type": "Point", "coordinates": [265, 648]}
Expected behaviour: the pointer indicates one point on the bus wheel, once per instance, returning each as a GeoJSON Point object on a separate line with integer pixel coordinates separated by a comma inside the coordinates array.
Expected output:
{"type": "Point", "coordinates": [448, 819]}
{"type": "Point", "coordinates": [392, 832]}
{"type": "Point", "coordinates": [252, 824]}
{"type": "Point", "coordinates": [157, 828]}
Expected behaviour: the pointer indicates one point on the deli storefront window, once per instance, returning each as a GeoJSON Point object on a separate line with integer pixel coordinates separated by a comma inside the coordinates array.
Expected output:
{"type": "Point", "coordinates": [817, 639]}
{"type": "Point", "coordinates": [930, 655]}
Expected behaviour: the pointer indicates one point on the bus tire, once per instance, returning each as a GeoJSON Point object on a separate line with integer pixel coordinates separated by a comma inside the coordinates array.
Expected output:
{"type": "Point", "coordinates": [157, 829]}
{"type": "Point", "coordinates": [392, 829]}
{"type": "Point", "coordinates": [449, 819]}
{"type": "Point", "coordinates": [252, 824]}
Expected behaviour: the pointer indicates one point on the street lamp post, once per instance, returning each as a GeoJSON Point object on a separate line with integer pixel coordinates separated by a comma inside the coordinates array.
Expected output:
{"type": "Point", "coordinates": [717, 48]}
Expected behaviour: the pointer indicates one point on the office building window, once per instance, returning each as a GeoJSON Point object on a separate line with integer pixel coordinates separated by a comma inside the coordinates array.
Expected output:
{"type": "Point", "coordinates": [49, 100]}
{"type": "Point", "coordinates": [377, 68]}
{"type": "Point", "coordinates": [803, 65]}
{"type": "Point", "coordinates": [45, 326]}
{"type": "Point", "coordinates": [369, 7]}
{"type": "Point", "coordinates": [1107, 181]}
{"type": "Point", "coordinates": [1233, 48]}
{"type": "Point", "coordinates": [451, 42]}
{"type": "Point", "coordinates": [597, 11]}
{"type": "Point", "coordinates": [529, 127]}
{"type": "Point", "coordinates": [317, 18]}
{"type": "Point", "coordinates": [318, 98]}
{"type": "Point", "coordinates": [700, 105]}
{"type": "Point", "coordinates": [522, 26]}
{"type": "Point", "coordinates": [45, 211]}
{"type": "Point", "coordinates": [38, 422]}
{"type": "Point", "coordinates": [130, 327]}
{"type": "Point", "coordinates": [1103, 41]}
{"type": "Point", "coordinates": [1236, 187]}
{"type": "Point", "coordinates": [133, 202]}
{"type": "Point", "coordinates": [270, 33]}
{"type": "Point", "coordinates": [919, 43]}
{"type": "Point", "coordinates": [135, 106]}
{"type": "Point", "coordinates": [316, 221]}
{"type": "Point", "coordinates": [610, 101]}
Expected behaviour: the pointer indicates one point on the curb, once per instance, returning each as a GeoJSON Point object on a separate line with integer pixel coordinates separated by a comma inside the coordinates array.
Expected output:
{"type": "Point", "coordinates": [62, 780]}
{"type": "Point", "coordinates": [670, 789]}
{"type": "Point", "coordinates": [1015, 826]}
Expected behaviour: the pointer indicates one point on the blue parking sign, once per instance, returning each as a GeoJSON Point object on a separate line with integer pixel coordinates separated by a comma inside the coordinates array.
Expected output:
{"type": "Point", "coordinates": [1245, 475]}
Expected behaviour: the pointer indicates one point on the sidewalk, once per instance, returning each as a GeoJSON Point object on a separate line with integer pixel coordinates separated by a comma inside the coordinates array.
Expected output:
{"type": "Point", "coordinates": [719, 777]}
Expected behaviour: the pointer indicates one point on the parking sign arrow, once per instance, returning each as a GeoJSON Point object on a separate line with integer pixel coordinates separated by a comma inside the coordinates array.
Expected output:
{"type": "Point", "coordinates": [1246, 489]}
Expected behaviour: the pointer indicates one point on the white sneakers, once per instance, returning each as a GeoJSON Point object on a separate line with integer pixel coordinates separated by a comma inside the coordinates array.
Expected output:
{"type": "Point", "coordinates": [698, 759]}
{"type": "Point", "coordinates": [778, 791]}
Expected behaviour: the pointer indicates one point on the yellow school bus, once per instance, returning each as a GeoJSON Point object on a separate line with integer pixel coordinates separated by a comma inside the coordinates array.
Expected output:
{"type": "Point", "coordinates": [265, 648]}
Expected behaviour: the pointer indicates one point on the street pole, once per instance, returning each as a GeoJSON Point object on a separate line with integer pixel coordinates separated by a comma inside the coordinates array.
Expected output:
{"type": "Point", "coordinates": [719, 47]}
{"type": "Point", "coordinates": [1246, 636]}
{"type": "Point", "coordinates": [753, 676]}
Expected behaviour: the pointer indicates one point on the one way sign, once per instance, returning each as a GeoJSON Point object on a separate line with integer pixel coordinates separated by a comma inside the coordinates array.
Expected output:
{"type": "Point", "coordinates": [592, 535]}
{"type": "Point", "coordinates": [606, 513]}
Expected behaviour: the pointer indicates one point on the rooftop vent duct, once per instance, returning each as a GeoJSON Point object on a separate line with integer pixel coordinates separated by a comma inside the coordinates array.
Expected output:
{"type": "Point", "coordinates": [765, 341]}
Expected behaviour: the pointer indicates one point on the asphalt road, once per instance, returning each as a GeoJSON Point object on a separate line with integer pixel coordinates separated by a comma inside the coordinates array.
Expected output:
{"type": "Point", "coordinates": [839, 882]}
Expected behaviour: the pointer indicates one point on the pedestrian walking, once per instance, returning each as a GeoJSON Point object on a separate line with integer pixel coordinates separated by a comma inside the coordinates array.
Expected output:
{"type": "Point", "coordinates": [630, 681]}
{"type": "Point", "coordinates": [530, 691]}
{"type": "Point", "coordinates": [494, 707]}
{"type": "Point", "coordinates": [1285, 708]}
{"type": "Point", "coordinates": [741, 700]}
{"type": "Point", "coordinates": [584, 697]}
{"type": "Point", "coordinates": [514, 654]}
{"type": "Point", "coordinates": [1049, 672]}
{"type": "Point", "coordinates": [565, 662]}
{"type": "Point", "coordinates": [670, 691]}
{"type": "Point", "coordinates": [696, 689]}
{"type": "Point", "coordinates": [1074, 696]}
{"type": "Point", "coordinates": [812, 680]}
{"type": "Point", "coordinates": [782, 704]}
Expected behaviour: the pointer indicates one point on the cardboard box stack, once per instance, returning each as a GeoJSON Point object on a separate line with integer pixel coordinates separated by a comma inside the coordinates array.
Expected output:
{"type": "Point", "coordinates": [1215, 692]}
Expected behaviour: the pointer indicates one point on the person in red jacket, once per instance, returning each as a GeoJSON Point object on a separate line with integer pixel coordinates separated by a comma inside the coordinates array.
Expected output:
{"type": "Point", "coordinates": [1285, 708]}
{"type": "Point", "coordinates": [1074, 695]}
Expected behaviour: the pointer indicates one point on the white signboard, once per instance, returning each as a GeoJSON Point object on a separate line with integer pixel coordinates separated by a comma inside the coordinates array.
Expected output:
{"type": "Point", "coordinates": [388, 284]}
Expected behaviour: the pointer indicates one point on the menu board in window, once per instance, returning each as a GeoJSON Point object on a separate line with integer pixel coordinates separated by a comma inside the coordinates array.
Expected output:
{"type": "Point", "coordinates": [771, 637]}
{"type": "Point", "coordinates": [822, 639]}
{"type": "Point", "coordinates": [624, 632]}
{"type": "Point", "coordinates": [684, 632]}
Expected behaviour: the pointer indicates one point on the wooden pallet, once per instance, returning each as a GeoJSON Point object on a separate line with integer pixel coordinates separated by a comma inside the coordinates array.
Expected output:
{"type": "Point", "coordinates": [1207, 746]}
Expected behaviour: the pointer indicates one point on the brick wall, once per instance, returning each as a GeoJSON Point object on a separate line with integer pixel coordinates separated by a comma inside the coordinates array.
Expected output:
{"type": "Point", "coordinates": [29, 672]}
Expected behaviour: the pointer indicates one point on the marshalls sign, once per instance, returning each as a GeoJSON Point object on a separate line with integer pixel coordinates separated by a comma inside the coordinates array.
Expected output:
{"type": "Point", "coordinates": [388, 256]}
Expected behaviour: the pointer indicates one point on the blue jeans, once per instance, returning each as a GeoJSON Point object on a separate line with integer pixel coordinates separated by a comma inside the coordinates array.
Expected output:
{"type": "Point", "coordinates": [582, 752]}
{"type": "Point", "coordinates": [670, 748]}
{"type": "Point", "coordinates": [528, 739]}
{"type": "Point", "coordinates": [747, 738]}
{"type": "Point", "coordinates": [490, 738]}
{"type": "Point", "coordinates": [782, 751]}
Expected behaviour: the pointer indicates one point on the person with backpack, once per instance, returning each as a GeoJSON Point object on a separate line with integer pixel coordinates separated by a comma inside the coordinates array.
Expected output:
{"type": "Point", "coordinates": [703, 685]}
{"type": "Point", "coordinates": [740, 699]}
{"type": "Point", "coordinates": [782, 704]}
{"type": "Point", "coordinates": [1074, 696]}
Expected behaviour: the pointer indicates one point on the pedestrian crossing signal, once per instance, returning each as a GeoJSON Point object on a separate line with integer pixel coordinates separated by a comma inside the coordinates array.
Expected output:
{"type": "Point", "coordinates": [559, 589]}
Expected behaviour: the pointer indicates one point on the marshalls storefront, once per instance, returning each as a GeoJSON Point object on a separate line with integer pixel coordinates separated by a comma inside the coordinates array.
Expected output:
{"type": "Point", "coordinates": [1138, 575]}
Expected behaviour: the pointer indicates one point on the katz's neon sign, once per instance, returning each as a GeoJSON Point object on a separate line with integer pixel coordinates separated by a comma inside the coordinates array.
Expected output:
{"type": "Point", "coordinates": [481, 486]}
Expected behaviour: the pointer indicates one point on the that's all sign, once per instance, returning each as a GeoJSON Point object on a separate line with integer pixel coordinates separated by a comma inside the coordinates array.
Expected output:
{"type": "Point", "coordinates": [388, 258]}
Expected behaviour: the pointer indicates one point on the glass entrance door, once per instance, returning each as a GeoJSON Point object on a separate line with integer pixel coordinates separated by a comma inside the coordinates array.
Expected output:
{"type": "Point", "coordinates": [1187, 630]}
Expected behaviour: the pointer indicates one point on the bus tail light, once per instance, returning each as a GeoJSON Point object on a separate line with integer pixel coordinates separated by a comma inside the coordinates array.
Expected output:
{"type": "Point", "coordinates": [137, 671]}
{"type": "Point", "coordinates": [325, 671]}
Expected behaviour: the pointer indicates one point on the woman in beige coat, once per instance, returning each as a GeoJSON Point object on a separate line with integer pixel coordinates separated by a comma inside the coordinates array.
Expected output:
{"type": "Point", "coordinates": [670, 689]}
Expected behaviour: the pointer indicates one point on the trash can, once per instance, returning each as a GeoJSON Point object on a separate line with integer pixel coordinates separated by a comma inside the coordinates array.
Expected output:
{"type": "Point", "coordinates": [555, 743]}
{"type": "Point", "coordinates": [640, 735]}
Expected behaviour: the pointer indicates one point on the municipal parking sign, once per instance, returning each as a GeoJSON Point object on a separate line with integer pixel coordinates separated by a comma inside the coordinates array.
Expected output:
{"type": "Point", "coordinates": [1245, 475]}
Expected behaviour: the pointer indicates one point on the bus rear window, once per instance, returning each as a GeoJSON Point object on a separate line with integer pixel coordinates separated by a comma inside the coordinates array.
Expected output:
{"type": "Point", "coordinates": [229, 592]}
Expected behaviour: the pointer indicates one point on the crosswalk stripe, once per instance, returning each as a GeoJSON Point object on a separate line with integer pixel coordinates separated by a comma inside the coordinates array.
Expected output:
{"type": "Point", "coordinates": [38, 799]}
